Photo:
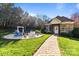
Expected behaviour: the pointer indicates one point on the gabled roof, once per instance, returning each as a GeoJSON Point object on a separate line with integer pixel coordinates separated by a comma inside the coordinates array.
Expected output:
{"type": "Point", "coordinates": [62, 19]}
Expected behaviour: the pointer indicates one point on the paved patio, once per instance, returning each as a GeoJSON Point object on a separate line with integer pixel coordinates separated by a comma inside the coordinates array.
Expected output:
{"type": "Point", "coordinates": [49, 48]}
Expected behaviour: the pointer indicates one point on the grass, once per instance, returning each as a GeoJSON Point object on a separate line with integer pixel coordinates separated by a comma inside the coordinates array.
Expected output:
{"type": "Point", "coordinates": [20, 47]}
{"type": "Point", "coordinates": [69, 46]}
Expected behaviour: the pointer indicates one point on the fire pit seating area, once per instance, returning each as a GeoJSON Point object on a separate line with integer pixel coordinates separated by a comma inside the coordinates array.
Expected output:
{"type": "Point", "coordinates": [20, 34]}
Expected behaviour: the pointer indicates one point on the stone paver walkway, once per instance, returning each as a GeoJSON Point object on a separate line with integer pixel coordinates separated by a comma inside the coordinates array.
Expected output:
{"type": "Point", "coordinates": [49, 48]}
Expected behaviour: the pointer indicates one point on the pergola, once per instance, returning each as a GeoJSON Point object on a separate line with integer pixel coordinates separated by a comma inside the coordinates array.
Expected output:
{"type": "Point", "coordinates": [22, 29]}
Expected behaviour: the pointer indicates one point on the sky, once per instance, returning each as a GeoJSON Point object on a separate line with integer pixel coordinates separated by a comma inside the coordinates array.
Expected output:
{"type": "Point", "coordinates": [50, 9]}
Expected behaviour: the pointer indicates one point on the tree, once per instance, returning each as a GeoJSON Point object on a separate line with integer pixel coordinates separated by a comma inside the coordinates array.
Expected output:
{"type": "Point", "coordinates": [75, 17]}
{"type": "Point", "coordinates": [5, 10]}
{"type": "Point", "coordinates": [42, 20]}
{"type": "Point", "coordinates": [16, 16]}
{"type": "Point", "coordinates": [10, 15]}
{"type": "Point", "coordinates": [45, 18]}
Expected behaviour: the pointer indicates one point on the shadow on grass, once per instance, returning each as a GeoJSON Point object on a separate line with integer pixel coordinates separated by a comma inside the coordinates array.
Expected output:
{"type": "Point", "coordinates": [77, 39]}
{"type": "Point", "coordinates": [4, 42]}
{"type": "Point", "coordinates": [69, 37]}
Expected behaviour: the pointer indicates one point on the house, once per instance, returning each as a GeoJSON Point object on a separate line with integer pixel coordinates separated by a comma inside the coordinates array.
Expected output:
{"type": "Point", "coordinates": [59, 25]}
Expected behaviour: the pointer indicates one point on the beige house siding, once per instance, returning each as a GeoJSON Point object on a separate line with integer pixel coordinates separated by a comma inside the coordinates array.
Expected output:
{"type": "Point", "coordinates": [66, 27]}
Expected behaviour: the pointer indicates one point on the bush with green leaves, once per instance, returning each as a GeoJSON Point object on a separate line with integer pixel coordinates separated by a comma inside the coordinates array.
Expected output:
{"type": "Point", "coordinates": [65, 34]}
{"type": "Point", "coordinates": [75, 32]}
{"type": "Point", "coordinates": [37, 31]}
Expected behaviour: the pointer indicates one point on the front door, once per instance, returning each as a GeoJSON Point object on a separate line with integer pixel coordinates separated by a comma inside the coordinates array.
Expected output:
{"type": "Point", "coordinates": [56, 30]}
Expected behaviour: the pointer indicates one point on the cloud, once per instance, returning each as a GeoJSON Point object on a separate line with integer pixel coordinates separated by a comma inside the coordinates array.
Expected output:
{"type": "Point", "coordinates": [77, 6]}
{"type": "Point", "coordinates": [60, 6]}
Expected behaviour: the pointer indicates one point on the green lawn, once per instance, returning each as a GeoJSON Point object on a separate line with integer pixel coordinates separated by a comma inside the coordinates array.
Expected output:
{"type": "Point", "coordinates": [69, 46]}
{"type": "Point", "coordinates": [20, 47]}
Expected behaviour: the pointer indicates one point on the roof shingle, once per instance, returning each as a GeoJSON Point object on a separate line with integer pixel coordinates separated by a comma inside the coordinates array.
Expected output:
{"type": "Point", "coordinates": [63, 19]}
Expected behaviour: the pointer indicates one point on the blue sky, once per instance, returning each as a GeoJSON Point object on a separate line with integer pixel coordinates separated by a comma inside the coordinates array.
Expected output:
{"type": "Point", "coordinates": [50, 9]}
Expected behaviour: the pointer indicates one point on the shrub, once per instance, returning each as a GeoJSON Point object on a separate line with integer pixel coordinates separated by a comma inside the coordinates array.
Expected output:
{"type": "Point", "coordinates": [43, 30]}
{"type": "Point", "coordinates": [65, 34]}
{"type": "Point", "coordinates": [75, 32]}
{"type": "Point", "coordinates": [37, 31]}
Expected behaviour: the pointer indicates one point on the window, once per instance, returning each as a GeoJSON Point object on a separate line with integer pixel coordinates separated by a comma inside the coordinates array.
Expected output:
{"type": "Point", "coordinates": [63, 28]}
